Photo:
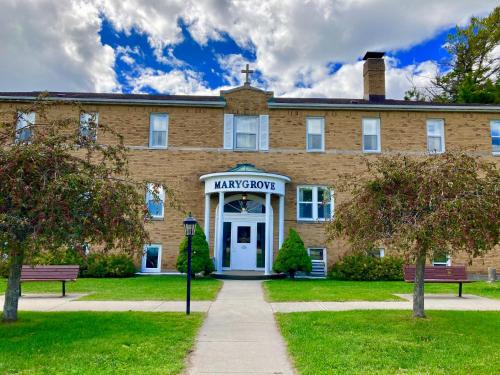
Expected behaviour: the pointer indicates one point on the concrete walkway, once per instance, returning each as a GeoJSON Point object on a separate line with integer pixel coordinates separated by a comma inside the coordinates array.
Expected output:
{"type": "Point", "coordinates": [432, 302]}
{"type": "Point", "coordinates": [43, 302]}
{"type": "Point", "coordinates": [240, 335]}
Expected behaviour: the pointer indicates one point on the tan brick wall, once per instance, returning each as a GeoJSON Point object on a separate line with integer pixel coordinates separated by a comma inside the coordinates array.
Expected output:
{"type": "Point", "coordinates": [195, 148]}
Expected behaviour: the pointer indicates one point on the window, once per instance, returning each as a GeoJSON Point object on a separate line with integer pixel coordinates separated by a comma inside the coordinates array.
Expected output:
{"type": "Point", "coordinates": [314, 203]}
{"type": "Point", "coordinates": [435, 136]}
{"type": "Point", "coordinates": [376, 253]}
{"type": "Point", "coordinates": [316, 254]}
{"type": "Point", "coordinates": [371, 135]}
{"type": "Point", "coordinates": [315, 134]}
{"type": "Point", "coordinates": [24, 124]}
{"type": "Point", "coordinates": [155, 199]}
{"type": "Point", "coordinates": [495, 137]}
{"type": "Point", "coordinates": [88, 125]}
{"type": "Point", "coordinates": [151, 259]}
{"type": "Point", "coordinates": [441, 259]}
{"type": "Point", "coordinates": [246, 131]}
{"type": "Point", "coordinates": [158, 130]}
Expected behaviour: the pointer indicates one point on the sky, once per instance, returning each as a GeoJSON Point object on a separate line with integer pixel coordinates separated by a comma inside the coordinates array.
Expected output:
{"type": "Point", "coordinates": [308, 48]}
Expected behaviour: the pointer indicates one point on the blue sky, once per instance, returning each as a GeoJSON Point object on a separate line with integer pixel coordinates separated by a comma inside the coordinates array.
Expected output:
{"type": "Point", "coordinates": [297, 47]}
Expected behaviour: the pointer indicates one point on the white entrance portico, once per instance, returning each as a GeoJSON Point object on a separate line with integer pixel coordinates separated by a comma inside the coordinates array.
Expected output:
{"type": "Point", "coordinates": [244, 217]}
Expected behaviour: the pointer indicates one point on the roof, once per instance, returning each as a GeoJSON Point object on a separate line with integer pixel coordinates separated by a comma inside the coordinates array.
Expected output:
{"type": "Point", "coordinates": [273, 102]}
{"type": "Point", "coordinates": [246, 167]}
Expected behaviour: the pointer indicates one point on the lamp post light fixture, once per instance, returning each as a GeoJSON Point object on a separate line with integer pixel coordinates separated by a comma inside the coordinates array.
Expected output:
{"type": "Point", "coordinates": [189, 229]}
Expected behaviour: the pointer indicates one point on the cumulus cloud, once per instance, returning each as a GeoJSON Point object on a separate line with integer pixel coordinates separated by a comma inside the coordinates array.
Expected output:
{"type": "Point", "coordinates": [56, 45]}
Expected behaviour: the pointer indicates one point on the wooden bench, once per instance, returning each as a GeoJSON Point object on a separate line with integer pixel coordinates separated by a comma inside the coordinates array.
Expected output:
{"type": "Point", "coordinates": [436, 274]}
{"type": "Point", "coordinates": [49, 273]}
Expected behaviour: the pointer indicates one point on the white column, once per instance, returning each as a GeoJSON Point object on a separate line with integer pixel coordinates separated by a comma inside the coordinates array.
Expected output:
{"type": "Point", "coordinates": [267, 263]}
{"type": "Point", "coordinates": [281, 222]}
{"type": "Point", "coordinates": [207, 219]}
{"type": "Point", "coordinates": [220, 231]}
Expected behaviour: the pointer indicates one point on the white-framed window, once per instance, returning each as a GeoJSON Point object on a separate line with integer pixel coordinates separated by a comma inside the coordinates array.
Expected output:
{"type": "Point", "coordinates": [246, 133]}
{"type": "Point", "coordinates": [151, 258]}
{"type": "Point", "coordinates": [495, 137]}
{"type": "Point", "coordinates": [435, 136]}
{"type": "Point", "coordinates": [314, 203]}
{"type": "Point", "coordinates": [315, 128]}
{"type": "Point", "coordinates": [88, 125]}
{"type": "Point", "coordinates": [317, 254]}
{"type": "Point", "coordinates": [158, 130]}
{"type": "Point", "coordinates": [376, 253]}
{"type": "Point", "coordinates": [155, 200]}
{"type": "Point", "coordinates": [371, 135]}
{"type": "Point", "coordinates": [23, 126]}
{"type": "Point", "coordinates": [441, 260]}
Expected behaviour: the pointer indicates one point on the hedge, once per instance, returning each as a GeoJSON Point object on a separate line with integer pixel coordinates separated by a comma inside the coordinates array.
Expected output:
{"type": "Point", "coordinates": [368, 268]}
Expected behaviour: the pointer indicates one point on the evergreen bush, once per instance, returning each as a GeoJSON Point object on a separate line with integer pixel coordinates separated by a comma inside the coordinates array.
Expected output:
{"type": "Point", "coordinates": [200, 254]}
{"type": "Point", "coordinates": [292, 256]}
{"type": "Point", "coordinates": [363, 267]}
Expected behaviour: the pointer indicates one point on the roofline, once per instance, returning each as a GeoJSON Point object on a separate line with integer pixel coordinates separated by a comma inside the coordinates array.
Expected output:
{"type": "Point", "coordinates": [234, 174]}
{"type": "Point", "coordinates": [161, 102]}
{"type": "Point", "coordinates": [386, 107]}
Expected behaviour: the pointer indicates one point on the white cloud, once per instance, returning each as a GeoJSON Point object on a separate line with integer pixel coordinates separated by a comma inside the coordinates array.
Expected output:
{"type": "Point", "coordinates": [54, 46]}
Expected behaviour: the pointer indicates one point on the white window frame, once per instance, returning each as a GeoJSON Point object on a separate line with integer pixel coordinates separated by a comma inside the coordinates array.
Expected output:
{"type": "Point", "coordinates": [440, 122]}
{"type": "Point", "coordinates": [314, 202]}
{"type": "Point", "coordinates": [85, 117]}
{"type": "Point", "coordinates": [443, 264]}
{"type": "Point", "coordinates": [308, 146]}
{"type": "Point", "coordinates": [23, 118]}
{"type": "Point", "coordinates": [161, 195]}
{"type": "Point", "coordinates": [497, 123]}
{"type": "Point", "coordinates": [379, 142]}
{"type": "Point", "coordinates": [325, 254]}
{"type": "Point", "coordinates": [143, 260]}
{"type": "Point", "coordinates": [235, 132]}
{"type": "Point", "coordinates": [151, 117]}
{"type": "Point", "coordinates": [381, 252]}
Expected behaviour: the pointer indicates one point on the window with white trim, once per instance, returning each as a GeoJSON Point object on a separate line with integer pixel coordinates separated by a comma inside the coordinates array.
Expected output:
{"type": "Point", "coordinates": [371, 135]}
{"type": "Point", "coordinates": [158, 130]}
{"type": "Point", "coordinates": [435, 136]}
{"type": "Point", "coordinates": [155, 200]}
{"type": "Point", "coordinates": [25, 121]}
{"type": "Point", "coordinates": [151, 259]}
{"type": "Point", "coordinates": [376, 253]}
{"type": "Point", "coordinates": [88, 125]}
{"type": "Point", "coordinates": [246, 132]}
{"type": "Point", "coordinates": [314, 203]}
{"type": "Point", "coordinates": [315, 134]}
{"type": "Point", "coordinates": [317, 254]}
{"type": "Point", "coordinates": [495, 137]}
{"type": "Point", "coordinates": [441, 260]}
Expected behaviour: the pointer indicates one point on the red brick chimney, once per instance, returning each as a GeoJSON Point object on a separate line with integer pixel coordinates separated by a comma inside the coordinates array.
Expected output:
{"type": "Point", "coordinates": [374, 76]}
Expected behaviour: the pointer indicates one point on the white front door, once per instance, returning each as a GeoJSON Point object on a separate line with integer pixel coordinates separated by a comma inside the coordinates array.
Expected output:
{"type": "Point", "coordinates": [244, 246]}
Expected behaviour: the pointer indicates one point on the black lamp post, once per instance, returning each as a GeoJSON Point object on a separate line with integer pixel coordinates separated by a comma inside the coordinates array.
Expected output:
{"type": "Point", "coordinates": [189, 228]}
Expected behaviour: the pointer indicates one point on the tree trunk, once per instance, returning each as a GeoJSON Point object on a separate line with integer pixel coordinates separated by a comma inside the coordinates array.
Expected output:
{"type": "Point", "coordinates": [418, 288]}
{"type": "Point", "coordinates": [13, 287]}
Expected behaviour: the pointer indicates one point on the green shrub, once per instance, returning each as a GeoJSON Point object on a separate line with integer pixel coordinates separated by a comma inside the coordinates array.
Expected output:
{"type": "Point", "coordinates": [292, 256]}
{"type": "Point", "coordinates": [109, 265]}
{"type": "Point", "coordinates": [4, 267]}
{"type": "Point", "coordinates": [200, 254]}
{"type": "Point", "coordinates": [368, 268]}
{"type": "Point", "coordinates": [63, 256]}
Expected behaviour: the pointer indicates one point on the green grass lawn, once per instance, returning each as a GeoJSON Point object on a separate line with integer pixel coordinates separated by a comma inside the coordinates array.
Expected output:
{"type": "Point", "coordinates": [134, 288]}
{"type": "Point", "coordinates": [97, 343]}
{"type": "Point", "coordinates": [334, 290]}
{"type": "Point", "coordinates": [391, 342]}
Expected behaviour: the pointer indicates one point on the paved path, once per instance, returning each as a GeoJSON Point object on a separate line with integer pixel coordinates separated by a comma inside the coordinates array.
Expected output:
{"type": "Point", "coordinates": [42, 302]}
{"type": "Point", "coordinates": [239, 335]}
{"type": "Point", "coordinates": [432, 302]}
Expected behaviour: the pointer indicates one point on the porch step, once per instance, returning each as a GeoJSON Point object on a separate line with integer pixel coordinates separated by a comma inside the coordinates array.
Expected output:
{"type": "Point", "coordinates": [318, 269]}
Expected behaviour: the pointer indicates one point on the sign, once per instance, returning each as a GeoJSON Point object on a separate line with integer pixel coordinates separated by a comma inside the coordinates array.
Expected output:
{"type": "Point", "coordinates": [244, 184]}
{"type": "Point", "coordinates": [239, 183]}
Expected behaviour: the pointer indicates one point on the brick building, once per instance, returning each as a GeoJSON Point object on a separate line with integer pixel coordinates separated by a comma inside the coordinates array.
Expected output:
{"type": "Point", "coordinates": [249, 165]}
